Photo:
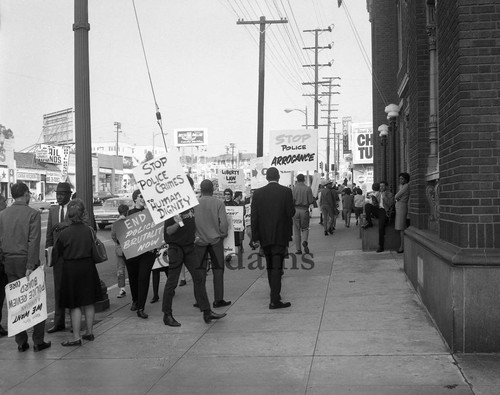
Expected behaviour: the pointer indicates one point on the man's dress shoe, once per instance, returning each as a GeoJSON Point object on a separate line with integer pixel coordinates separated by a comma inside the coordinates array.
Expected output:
{"type": "Point", "coordinates": [210, 315]}
{"type": "Point", "coordinates": [221, 303]}
{"type": "Point", "coordinates": [169, 320]}
{"type": "Point", "coordinates": [155, 299]}
{"type": "Point", "coordinates": [88, 337]}
{"type": "Point", "coordinates": [41, 346]}
{"type": "Point", "coordinates": [133, 306]}
{"type": "Point", "coordinates": [279, 305]}
{"type": "Point", "coordinates": [142, 314]}
{"type": "Point", "coordinates": [23, 347]}
{"type": "Point", "coordinates": [56, 328]}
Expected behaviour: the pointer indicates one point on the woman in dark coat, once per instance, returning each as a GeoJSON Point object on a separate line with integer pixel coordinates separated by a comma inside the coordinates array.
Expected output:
{"type": "Point", "coordinates": [81, 286]}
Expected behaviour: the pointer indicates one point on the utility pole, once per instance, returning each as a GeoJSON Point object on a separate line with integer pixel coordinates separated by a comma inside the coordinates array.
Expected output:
{"type": "Point", "coordinates": [118, 130]}
{"type": "Point", "coordinates": [232, 146]}
{"type": "Point", "coordinates": [262, 49]}
{"type": "Point", "coordinates": [329, 93]}
{"type": "Point", "coordinates": [316, 66]}
{"type": "Point", "coordinates": [83, 141]}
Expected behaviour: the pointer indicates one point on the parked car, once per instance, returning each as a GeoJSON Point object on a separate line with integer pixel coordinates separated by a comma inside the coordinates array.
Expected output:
{"type": "Point", "coordinates": [108, 213]}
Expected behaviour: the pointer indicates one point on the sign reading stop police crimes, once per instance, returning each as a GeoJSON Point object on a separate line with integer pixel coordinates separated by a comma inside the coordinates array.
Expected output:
{"type": "Point", "coordinates": [165, 187]}
{"type": "Point", "coordinates": [26, 302]}
{"type": "Point", "coordinates": [233, 179]}
{"type": "Point", "coordinates": [138, 234]}
{"type": "Point", "coordinates": [294, 150]}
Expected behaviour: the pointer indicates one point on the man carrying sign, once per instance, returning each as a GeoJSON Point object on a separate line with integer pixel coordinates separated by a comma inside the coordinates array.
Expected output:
{"type": "Point", "coordinates": [179, 234]}
{"type": "Point", "coordinates": [20, 231]}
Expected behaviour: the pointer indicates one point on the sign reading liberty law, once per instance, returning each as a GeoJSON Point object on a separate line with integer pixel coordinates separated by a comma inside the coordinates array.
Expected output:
{"type": "Point", "coordinates": [190, 137]}
{"type": "Point", "coordinates": [164, 186]}
{"type": "Point", "coordinates": [293, 150]}
{"type": "Point", "coordinates": [26, 302]}
{"type": "Point", "coordinates": [233, 179]}
{"type": "Point", "coordinates": [138, 233]}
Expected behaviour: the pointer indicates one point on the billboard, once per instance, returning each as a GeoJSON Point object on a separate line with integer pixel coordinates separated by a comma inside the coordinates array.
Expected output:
{"type": "Point", "coordinates": [190, 137]}
{"type": "Point", "coordinates": [58, 127]}
{"type": "Point", "coordinates": [362, 143]}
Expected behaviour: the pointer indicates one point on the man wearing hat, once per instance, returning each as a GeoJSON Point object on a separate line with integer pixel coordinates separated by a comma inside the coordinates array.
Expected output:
{"type": "Point", "coordinates": [58, 217]}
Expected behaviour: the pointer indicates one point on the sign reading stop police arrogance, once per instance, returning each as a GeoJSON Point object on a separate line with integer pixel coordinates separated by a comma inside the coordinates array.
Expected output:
{"type": "Point", "coordinates": [165, 187]}
{"type": "Point", "coordinates": [294, 150]}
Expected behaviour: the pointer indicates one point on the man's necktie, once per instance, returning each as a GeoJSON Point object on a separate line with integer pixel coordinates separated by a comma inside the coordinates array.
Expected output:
{"type": "Point", "coordinates": [61, 215]}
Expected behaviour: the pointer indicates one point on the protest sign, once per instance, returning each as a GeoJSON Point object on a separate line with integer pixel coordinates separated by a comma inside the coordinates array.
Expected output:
{"type": "Point", "coordinates": [236, 215]}
{"type": "Point", "coordinates": [165, 187]}
{"type": "Point", "coordinates": [26, 302]}
{"type": "Point", "coordinates": [259, 168]}
{"type": "Point", "coordinates": [293, 150]}
{"type": "Point", "coordinates": [233, 179]}
{"type": "Point", "coordinates": [228, 242]}
{"type": "Point", "coordinates": [138, 233]}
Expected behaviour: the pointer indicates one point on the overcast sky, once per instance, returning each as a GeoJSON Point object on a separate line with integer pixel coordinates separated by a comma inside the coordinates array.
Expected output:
{"type": "Point", "coordinates": [204, 66]}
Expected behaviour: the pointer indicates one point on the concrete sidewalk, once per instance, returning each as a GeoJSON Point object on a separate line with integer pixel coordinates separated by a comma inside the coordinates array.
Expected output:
{"type": "Point", "coordinates": [356, 326]}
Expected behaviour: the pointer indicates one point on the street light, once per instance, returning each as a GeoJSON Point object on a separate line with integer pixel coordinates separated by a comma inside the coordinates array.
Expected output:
{"type": "Point", "coordinates": [392, 111]}
{"type": "Point", "coordinates": [288, 110]}
{"type": "Point", "coordinates": [383, 133]}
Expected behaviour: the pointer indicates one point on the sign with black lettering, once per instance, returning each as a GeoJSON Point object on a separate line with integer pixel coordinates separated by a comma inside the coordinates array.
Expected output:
{"type": "Point", "coordinates": [362, 139]}
{"type": "Point", "coordinates": [294, 150]}
{"type": "Point", "coordinates": [138, 234]}
{"type": "Point", "coordinates": [235, 213]}
{"type": "Point", "coordinates": [26, 302]}
{"type": "Point", "coordinates": [165, 187]}
{"type": "Point", "coordinates": [233, 179]}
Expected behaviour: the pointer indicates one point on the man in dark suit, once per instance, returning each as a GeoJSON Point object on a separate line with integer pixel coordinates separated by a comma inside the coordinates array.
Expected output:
{"type": "Point", "coordinates": [272, 212]}
{"type": "Point", "coordinates": [58, 218]}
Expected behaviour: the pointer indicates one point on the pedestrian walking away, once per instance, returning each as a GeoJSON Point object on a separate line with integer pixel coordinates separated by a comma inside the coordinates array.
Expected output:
{"type": "Point", "coordinates": [272, 214]}
{"type": "Point", "coordinates": [302, 199]}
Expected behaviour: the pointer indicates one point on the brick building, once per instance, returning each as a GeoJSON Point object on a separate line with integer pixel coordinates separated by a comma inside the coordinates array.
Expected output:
{"type": "Point", "coordinates": [439, 61]}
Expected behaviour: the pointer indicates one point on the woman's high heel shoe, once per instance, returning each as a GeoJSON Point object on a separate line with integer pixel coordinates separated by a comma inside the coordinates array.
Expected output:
{"type": "Point", "coordinates": [71, 343]}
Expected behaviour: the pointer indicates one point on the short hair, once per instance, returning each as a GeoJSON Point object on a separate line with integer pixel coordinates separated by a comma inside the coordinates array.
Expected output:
{"type": "Point", "coordinates": [347, 191]}
{"type": "Point", "coordinates": [359, 191]}
{"type": "Point", "coordinates": [228, 190]}
{"type": "Point", "coordinates": [238, 194]}
{"type": "Point", "coordinates": [300, 177]}
{"type": "Point", "coordinates": [123, 209]}
{"type": "Point", "coordinates": [207, 187]}
{"type": "Point", "coordinates": [76, 208]}
{"type": "Point", "coordinates": [272, 174]}
{"type": "Point", "coordinates": [136, 193]}
{"type": "Point", "coordinates": [376, 186]}
{"type": "Point", "coordinates": [18, 189]}
{"type": "Point", "coordinates": [406, 176]}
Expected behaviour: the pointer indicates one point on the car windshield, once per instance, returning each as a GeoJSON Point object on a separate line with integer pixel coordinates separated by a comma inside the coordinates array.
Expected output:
{"type": "Point", "coordinates": [111, 203]}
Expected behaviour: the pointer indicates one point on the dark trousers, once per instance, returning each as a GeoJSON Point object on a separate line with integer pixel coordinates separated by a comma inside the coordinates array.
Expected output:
{"type": "Point", "coordinates": [216, 252]}
{"type": "Point", "coordinates": [3, 282]}
{"type": "Point", "coordinates": [275, 255]}
{"type": "Point", "coordinates": [59, 312]}
{"type": "Point", "coordinates": [186, 255]}
{"type": "Point", "coordinates": [15, 272]}
{"type": "Point", "coordinates": [139, 273]}
{"type": "Point", "coordinates": [156, 280]}
{"type": "Point", "coordinates": [380, 213]}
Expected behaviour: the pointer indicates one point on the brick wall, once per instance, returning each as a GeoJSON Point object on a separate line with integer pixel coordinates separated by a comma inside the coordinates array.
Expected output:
{"type": "Point", "coordinates": [469, 122]}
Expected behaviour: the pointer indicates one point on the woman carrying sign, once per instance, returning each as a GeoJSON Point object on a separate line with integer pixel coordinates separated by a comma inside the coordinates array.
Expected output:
{"type": "Point", "coordinates": [139, 267]}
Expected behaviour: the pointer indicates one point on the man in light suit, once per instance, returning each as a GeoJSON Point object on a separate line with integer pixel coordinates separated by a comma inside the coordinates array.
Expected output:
{"type": "Point", "coordinates": [272, 212]}
{"type": "Point", "coordinates": [58, 218]}
{"type": "Point", "coordinates": [20, 229]}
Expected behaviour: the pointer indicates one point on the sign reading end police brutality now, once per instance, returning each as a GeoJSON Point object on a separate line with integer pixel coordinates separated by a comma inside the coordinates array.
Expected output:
{"type": "Point", "coordinates": [138, 234]}
{"type": "Point", "coordinates": [26, 302]}
{"type": "Point", "coordinates": [165, 187]}
{"type": "Point", "coordinates": [293, 150]}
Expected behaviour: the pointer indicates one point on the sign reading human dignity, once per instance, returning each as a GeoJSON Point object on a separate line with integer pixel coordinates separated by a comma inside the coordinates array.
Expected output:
{"type": "Point", "coordinates": [165, 187]}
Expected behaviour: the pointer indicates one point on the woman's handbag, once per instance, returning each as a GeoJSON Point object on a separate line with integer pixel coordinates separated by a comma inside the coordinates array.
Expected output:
{"type": "Point", "coordinates": [99, 253]}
